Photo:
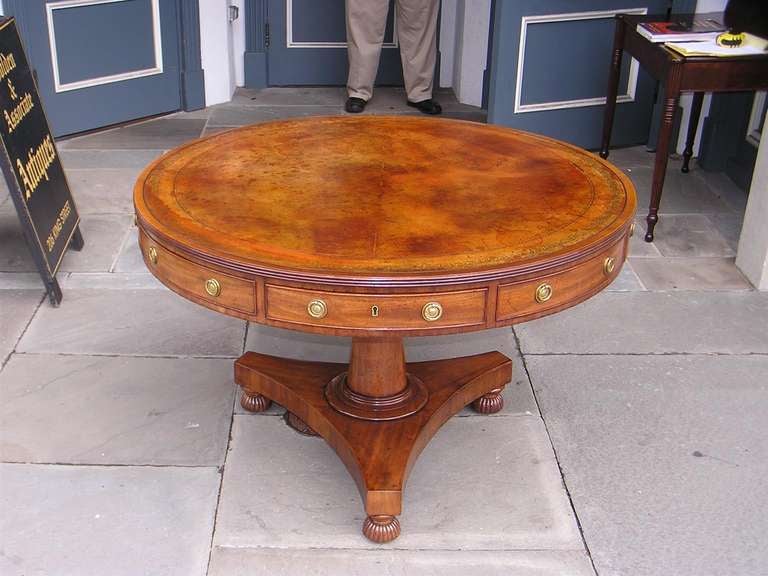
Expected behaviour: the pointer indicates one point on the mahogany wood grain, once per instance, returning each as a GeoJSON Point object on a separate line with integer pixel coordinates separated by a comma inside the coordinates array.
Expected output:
{"type": "Point", "coordinates": [380, 228]}
{"type": "Point", "coordinates": [378, 455]}
{"type": "Point", "coordinates": [392, 311]}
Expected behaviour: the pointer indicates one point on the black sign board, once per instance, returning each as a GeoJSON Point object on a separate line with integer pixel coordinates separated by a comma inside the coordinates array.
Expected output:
{"type": "Point", "coordinates": [31, 164]}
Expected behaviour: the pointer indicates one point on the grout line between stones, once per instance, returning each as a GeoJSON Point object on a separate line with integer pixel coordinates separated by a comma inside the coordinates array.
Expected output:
{"type": "Point", "coordinates": [736, 354]}
{"type": "Point", "coordinates": [5, 360]}
{"type": "Point", "coordinates": [557, 457]}
{"type": "Point", "coordinates": [100, 465]}
{"type": "Point", "coordinates": [235, 396]}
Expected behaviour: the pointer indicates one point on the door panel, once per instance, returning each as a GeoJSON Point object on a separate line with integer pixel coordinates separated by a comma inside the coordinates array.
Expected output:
{"type": "Point", "coordinates": [550, 71]}
{"type": "Point", "coordinates": [307, 45]}
{"type": "Point", "coordinates": [101, 62]}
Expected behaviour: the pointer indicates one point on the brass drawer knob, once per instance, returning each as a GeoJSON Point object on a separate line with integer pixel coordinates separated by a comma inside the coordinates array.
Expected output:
{"type": "Point", "coordinates": [152, 254]}
{"type": "Point", "coordinates": [609, 265]}
{"type": "Point", "coordinates": [543, 293]}
{"type": "Point", "coordinates": [432, 311]}
{"type": "Point", "coordinates": [213, 287]}
{"type": "Point", "coordinates": [317, 309]}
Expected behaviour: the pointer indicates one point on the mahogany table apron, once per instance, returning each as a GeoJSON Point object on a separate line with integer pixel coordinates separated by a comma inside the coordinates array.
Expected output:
{"type": "Point", "coordinates": [380, 228]}
{"type": "Point", "coordinates": [678, 74]}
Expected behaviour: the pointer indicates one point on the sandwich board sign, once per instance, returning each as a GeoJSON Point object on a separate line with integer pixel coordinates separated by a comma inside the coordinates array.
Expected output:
{"type": "Point", "coordinates": [31, 165]}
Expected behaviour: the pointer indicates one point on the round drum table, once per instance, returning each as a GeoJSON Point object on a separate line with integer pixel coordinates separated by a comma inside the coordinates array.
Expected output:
{"type": "Point", "coordinates": [380, 228]}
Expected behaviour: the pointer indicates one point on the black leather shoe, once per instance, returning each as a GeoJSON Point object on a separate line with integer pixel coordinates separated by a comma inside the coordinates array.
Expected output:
{"type": "Point", "coordinates": [355, 105]}
{"type": "Point", "coordinates": [426, 106]}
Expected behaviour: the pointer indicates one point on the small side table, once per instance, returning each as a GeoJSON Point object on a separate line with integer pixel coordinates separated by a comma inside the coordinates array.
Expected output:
{"type": "Point", "coordinates": [679, 74]}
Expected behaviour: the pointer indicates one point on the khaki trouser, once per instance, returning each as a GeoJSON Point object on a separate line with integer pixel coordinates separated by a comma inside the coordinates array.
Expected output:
{"type": "Point", "coordinates": [416, 33]}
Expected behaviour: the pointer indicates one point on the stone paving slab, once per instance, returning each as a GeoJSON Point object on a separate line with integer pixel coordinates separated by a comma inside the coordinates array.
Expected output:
{"type": "Point", "coordinates": [690, 235]}
{"type": "Point", "coordinates": [110, 281]}
{"type": "Point", "coordinates": [123, 521]}
{"type": "Point", "coordinates": [107, 159]}
{"type": "Point", "coordinates": [518, 398]}
{"type": "Point", "coordinates": [297, 96]}
{"type": "Point", "coordinates": [683, 193]}
{"type": "Point", "coordinates": [268, 562]}
{"type": "Point", "coordinates": [665, 458]}
{"type": "Point", "coordinates": [16, 310]}
{"type": "Point", "coordinates": [112, 410]}
{"type": "Point", "coordinates": [690, 274]}
{"type": "Point", "coordinates": [480, 484]}
{"type": "Point", "coordinates": [653, 323]}
{"type": "Point", "coordinates": [130, 259]}
{"type": "Point", "coordinates": [132, 322]}
{"type": "Point", "coordinates": [626, 281]}
{"type": "Point", "coordinates": [103, 191]}
{"type": "Point", "coordinates": [630, 157]}
{"type": "Point", "coordinates": [104, 235]}
{"type": "Point", "coordinates": [729, 227]}
{"type": "Point", "coordinates": [638, 247]}
{"type": "Point", "coordinates": [25, 280]}
{"type": "Point", "coordinates": [159, 134]}
{"type": "Point", "coordinates": [241, 115]}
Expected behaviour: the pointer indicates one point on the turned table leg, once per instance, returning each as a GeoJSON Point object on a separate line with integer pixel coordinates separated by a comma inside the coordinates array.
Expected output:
{"type": "Point", "coordinates": [613, 87]}
{"type": "Point", "coordinates": [671, 99]}
{"type": "Point", "coordinates": [693, 124]}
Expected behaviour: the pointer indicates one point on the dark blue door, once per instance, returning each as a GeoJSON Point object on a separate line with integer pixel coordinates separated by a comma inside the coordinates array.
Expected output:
{"type": "Point", "coordinates": [101, 62]}
{"type": "Point", "coordinates": [307, 45]}
{"type": "Point", "coordinates": [550, 65]}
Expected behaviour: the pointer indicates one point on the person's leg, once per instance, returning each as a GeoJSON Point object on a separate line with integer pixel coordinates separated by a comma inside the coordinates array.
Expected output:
{"type": "Point", "coordinates": [417, 34]}
{"type": "Point", "coordinates": [366, 22]}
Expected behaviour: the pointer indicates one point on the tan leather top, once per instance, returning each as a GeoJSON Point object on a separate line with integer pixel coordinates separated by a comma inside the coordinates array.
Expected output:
{"type": "Point", "coordinates": [382, 196]}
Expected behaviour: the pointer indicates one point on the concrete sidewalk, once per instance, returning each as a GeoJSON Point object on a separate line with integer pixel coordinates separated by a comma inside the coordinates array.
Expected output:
{"type": "Point", "coordinates": [634, 440]}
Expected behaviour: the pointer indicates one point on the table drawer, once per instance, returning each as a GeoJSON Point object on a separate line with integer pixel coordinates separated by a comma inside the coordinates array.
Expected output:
{"type": "Point", "coordinates": [532, 297]}
{"type": "Point", "coordinates": [376, 311]}
{"type": "Point", "coordinates": [197, 280]}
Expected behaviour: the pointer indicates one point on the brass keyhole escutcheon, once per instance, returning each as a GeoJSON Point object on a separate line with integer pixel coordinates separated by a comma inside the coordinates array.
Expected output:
{"type": "Point", "coordinates": [543, 293]}
{"type": "Point", "coordinates": [609, 265]}
{"type": "Point", "coordinates": [375, 311]}
{"type": "Point", "coordinates": [432, 311]}
{"type": "Point", "coordinates": [152, 254]}
{"type": "Point", "coordinates": [631, 229]}
{"type": "Point", "coordinates": [213, 287]}
{"type": "Point", "coordinates": [317, 309]}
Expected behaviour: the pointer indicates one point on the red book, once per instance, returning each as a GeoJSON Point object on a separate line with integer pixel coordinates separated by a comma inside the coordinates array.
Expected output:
{"type": "Point", "coordinates": [681, 30]}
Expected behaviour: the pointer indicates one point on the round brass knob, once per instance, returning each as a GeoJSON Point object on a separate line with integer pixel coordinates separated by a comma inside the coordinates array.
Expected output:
{"type": "Point", "coordinates": [609, 265]}
{"type": "Point", "coordinates": [317, 309]}
{"type": "Point", "coordinates": [543, 293]}
{"type": "Point", "coordinates": [432, 311]}
{"type": "Point", "coordinates": [152, 254]}
{"type": "Point", "coordinates": [213, 287]}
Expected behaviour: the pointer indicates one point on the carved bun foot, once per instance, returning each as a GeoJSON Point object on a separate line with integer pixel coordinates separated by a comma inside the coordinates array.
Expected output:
{"type": "Point", "coordinates": [381, 529]}
{"type": "Point", "coordinates": [254, 402]}
{"type": "Point", "coordinates": [489, 403]}
{"type": "Point", "coordinates": [298, 424]}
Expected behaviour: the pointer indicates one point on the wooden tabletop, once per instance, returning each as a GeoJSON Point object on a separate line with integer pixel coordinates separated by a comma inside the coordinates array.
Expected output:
{"type": "Point", "coordinates": [382, 197]}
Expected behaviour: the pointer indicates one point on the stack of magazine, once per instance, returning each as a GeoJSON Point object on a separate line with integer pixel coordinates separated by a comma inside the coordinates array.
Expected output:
{"type": "Point", "coordinates": [696, 30]}
{"type": "Point", "coordinates": [698, 37]}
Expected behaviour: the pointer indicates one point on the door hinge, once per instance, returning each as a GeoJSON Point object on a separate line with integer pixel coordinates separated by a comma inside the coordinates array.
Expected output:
{"type": "Point", "coordinates": [266, 35]}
